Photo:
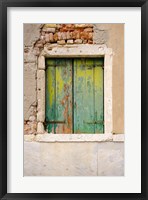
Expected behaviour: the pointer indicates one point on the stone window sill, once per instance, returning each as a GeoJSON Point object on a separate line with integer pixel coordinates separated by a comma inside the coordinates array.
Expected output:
{"type": "Point", "coordinates": [107, 137]}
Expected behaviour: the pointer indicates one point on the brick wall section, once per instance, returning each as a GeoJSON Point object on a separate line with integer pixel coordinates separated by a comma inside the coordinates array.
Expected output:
{"type": "Point", "coordinates": [65, 34]}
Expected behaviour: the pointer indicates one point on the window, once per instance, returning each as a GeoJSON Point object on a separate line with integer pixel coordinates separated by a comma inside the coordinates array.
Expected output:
{"type": "Point", "coordinates": [74, 95]}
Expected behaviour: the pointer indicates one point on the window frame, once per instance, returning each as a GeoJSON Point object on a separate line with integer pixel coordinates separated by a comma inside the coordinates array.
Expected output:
{"type": "Point", "coordinates": [73, 51]}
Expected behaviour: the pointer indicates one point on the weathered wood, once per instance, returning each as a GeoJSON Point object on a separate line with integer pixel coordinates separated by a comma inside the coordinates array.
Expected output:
{"type": "Point", "coordinates": [74, 100]}
{"type": "Point", "coordinates": [59, 95]}
{"type": "Point", "coordinates": [50, 98]}
{"type": "Point", "coordinates": [88, 96]}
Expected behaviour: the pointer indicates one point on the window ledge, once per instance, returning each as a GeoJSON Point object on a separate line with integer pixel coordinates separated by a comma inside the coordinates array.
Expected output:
{"type": "Point", "coordinates": [74, 138]}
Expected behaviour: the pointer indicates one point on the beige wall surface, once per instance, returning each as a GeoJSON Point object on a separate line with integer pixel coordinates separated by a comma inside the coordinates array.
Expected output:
{"type": "Point", "coordinates": [113, 36]}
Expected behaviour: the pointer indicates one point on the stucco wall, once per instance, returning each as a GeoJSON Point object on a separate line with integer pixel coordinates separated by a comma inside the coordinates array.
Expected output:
{"type": "Point", "coordinates": [113, 36]}
{"type": "Point", "coordinates": [74, 159]}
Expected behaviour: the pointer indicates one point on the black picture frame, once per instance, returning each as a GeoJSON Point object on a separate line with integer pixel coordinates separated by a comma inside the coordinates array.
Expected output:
{"type": "Point", "coordinates": [4, 4]}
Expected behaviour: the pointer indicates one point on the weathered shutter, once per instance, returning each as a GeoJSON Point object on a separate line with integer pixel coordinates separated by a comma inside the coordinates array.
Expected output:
{"type": "Point", "coordinates": [59, 95]}
{"type": "Point", "coordinates": [88, 96]}
{"type": "Point", "coordinates": [74, 102]}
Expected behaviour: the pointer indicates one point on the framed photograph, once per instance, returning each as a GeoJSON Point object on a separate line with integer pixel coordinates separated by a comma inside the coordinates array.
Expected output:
{"type": "Point", "coordinates": [73, 99]}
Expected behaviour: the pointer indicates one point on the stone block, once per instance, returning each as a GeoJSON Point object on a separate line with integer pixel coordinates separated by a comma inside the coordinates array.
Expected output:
{"type": "Point", "coordinates": [41, 95]}
{"type": "Point", "coordinates": [41, 62]}
{"type": "Point", "coordinates": [40, 128]}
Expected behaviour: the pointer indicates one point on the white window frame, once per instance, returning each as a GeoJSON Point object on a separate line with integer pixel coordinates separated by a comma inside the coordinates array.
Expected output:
{"type": "Point", "coordinates": [72, 51]}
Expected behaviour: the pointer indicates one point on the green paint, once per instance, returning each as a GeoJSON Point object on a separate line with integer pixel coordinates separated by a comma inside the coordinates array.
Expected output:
{"type": "Point", "coordinates": [59, 95]}
{"type": "Point", "coordinates": [88, 96]}
{"type": "Point", "coordinates": [80, 85]}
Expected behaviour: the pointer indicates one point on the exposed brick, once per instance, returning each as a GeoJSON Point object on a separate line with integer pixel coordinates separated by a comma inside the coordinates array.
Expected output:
{"type": "Point", "coordinates": [74, 35]}
{"type": "Point", "coordinates": [84, 41]}
{"type": "Point", "coordinates": [51, 37]}
{"type": "Point", "coordinates": [59, 36]}
{"type": "Point", "coordinates": [61, 42]}
{"type": "Point", "coordinates": [69, 41]}
{"type": "Point", "coordinates": [63, 36]}
{"type": "Point", "coordinates": [70, 25]}
{"type": "Point", "coordinates": [77, 35]}
{"type": "Point", "coordinates": [90, 36]}
{"type": "Point", "coordinates": [47, 38]}
{"type": "Point", "coordinates": [90, 42]}
{"type": "Point", "coordinates": [49, 26]}
{"type": "Point", "coordinates": [78, 41]}
{"type": "Point", "coordinates": [58, 26]}
{"type": "Point", "coordinates": [30, 127]}
{"type": "Point", "coordinates": [49, 30]}
{"type": "Point", "coordinates": [88, 29]}
{"type": "Point", "coordinates": [80, 25]}
{"type": "Point", "coordinates": [68, 35]}
{"type": "Point", "coordinates": [55, 37]}
{"type": "Point", "coordinates": [84, 35]}
{"type": "Point", "coordinates": [67, 27]}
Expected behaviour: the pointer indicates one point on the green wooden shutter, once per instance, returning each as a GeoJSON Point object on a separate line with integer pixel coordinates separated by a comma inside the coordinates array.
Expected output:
{"type": "Point", "coordinates": [88, 96]}
{"type": "Point", "coordinates": [74, 102]}
{"type": "Point", "coordinates": [59, 95]}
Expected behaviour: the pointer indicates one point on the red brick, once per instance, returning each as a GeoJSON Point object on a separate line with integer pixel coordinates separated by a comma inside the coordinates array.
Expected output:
{"type": "Point", "coordinates": [88, 29]}
{"type": "Point", "coordinates": [61, 42]}
{"type": "Point", "coordinates": [63, 36]}
{"type": "Point", "coordinates": [51, 37]}
{"type": "Point", "coordinates": [90, 42]}
{"type": "Point", "coordinates": [90, 36]}
{"type": "Point", "coordinates": [84, 35]}
{"type": "Point", "coordinates": [55, 37]}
